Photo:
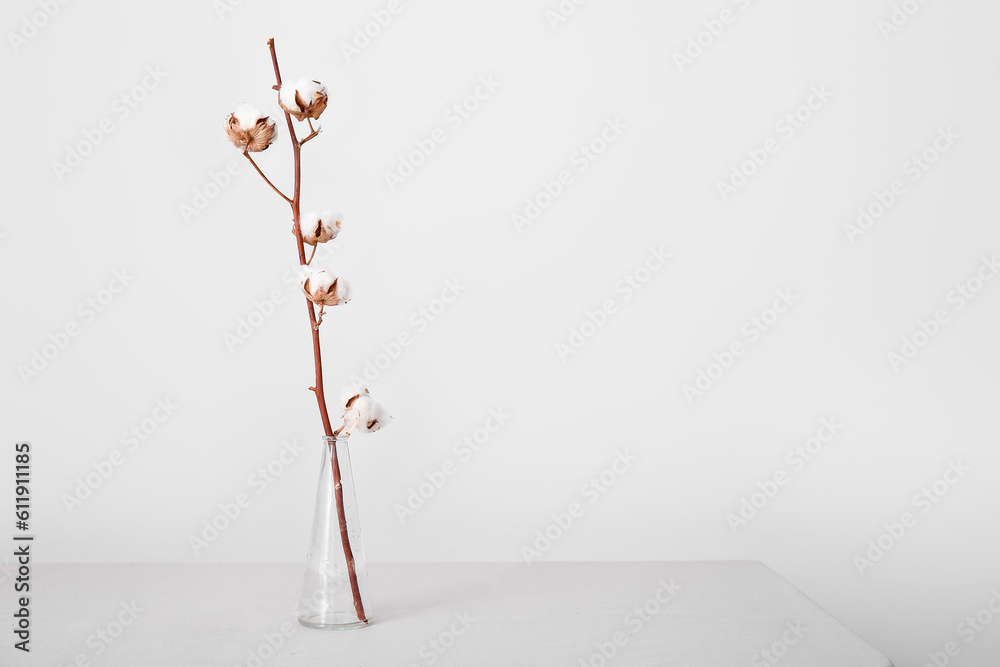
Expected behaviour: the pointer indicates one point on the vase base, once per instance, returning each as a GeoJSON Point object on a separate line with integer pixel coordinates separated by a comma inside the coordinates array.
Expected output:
{"type": "Point", "coordinates": [321, 622]}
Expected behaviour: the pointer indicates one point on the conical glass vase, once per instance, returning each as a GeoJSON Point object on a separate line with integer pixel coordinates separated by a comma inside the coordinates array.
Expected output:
{"type": "Point", "coordinates": [335, 587]}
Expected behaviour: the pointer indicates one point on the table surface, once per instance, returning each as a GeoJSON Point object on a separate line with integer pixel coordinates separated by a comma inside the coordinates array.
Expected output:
{"type": "Point", "coordinates": [691, 614]}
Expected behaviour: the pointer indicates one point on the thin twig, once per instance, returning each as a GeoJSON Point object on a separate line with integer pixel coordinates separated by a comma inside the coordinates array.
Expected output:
{"type": "Point", "coordinates": [311, 134]}
{"type": "Point", "coordinates": [317, 357]}
{"type": "Point", "coordinates": [309, 261]}
{"type": "Point", "coordinates": [280, 194]}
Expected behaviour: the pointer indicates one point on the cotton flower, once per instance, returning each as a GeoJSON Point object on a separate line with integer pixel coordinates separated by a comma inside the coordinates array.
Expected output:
{"type": "Point", "coordinates": [305, 99]}
{"type": "Point", "coordinates": [249, 130]}
{"type": "Point", "coordinates": [350, 395]}
{"type": "Point", "coordinates": [319, 227]}
{"type": "Point", "coordinates": [322, 287]}
{"type": "Point", "coordinates": [361, 410]}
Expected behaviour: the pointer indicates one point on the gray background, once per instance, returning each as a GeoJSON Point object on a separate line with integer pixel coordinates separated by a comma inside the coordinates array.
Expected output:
{"type": "Point", "coordinates": [196, 276]}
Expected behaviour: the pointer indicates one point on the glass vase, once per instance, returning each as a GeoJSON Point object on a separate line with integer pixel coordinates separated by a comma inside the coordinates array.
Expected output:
{"type": "Point", "coordinates": [335, 587]}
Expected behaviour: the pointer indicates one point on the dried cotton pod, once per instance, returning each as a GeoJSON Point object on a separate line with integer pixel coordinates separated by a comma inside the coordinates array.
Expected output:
{"type": "Point", "coordinates": [362, 412]}
{"type": "Point", "coordinates": [379, 419]}
{"type": "Point", "coordinates": [304, 99]}
{"type": "Point", "coordinates": [249, 130]}
{"type": "Point", "coordinates": [322, 287]}
{"type": "Point", "coordinates": [319, 227]}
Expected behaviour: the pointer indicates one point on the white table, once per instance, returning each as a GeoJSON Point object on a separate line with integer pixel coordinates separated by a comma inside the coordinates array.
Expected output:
{"type": "Point", "coordinates": [712, 614]}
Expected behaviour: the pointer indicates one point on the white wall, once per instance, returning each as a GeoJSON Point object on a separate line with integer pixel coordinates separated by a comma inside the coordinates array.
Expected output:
{"type": "Point", "coordinates": [495, 347]}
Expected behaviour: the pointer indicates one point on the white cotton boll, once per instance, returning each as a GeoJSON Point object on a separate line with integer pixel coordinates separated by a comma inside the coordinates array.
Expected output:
{"type": "Point", "coordinates": [323, 279]}
{"type": "Point", "coordinates": [307, 90]}
{"type": "Point", "coordinates": [314, 280]}
{"type": "Point", "coordinates": [309, 227]}
{"type": "Point", "coordinates": [322, 287]}
{"type": "Point", "coordinates": [361, 412]}
{"type": "Point", "coordinates": [342, 294]}
{"type": "Point", "coordinates": [308, 219]}
{"type": "Point", "coordinates": [249, 130]}
{"type": "Point", "coordinates": [286, 95]}
{"type": "Point", "coordinates": [247, 115]}
{"type": "Point", "coordinates": [303, 99]}
{"type": "Point", "coordinates": [364, 409]}
{"type": "Point", "coordinates": [310, 277]}
{"type": "Point", "coordinates": [368, 415]}
{"type": "Point", "coordinates": [332, 218]}
{"type": "Point", "coordinates": [311, 87]}
{"type": "Point", "coordinates": [350, 393]}
{"type": "Point", "coordinates": [332, 221]}
{"type": "Point", "coordinates": [306, 272]}
{"type": "Point", "coordinates": [319, 227]}
{"type": "Point", "coordinates": [380, 419]}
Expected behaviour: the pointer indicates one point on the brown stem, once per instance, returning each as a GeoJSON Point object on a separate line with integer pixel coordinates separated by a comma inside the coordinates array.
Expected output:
{"type": "Point", "coordinates": [317, 357]}
{"type": "Point", "coordinates": [311, 134]}
{"type": "Point", "coordinates": [280, 193]}
{"type": "Point", "coordinates": [345, 538]}
{"type": "Point", "coordinates": [312, 254]}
